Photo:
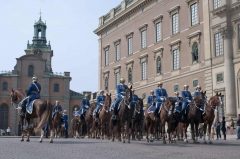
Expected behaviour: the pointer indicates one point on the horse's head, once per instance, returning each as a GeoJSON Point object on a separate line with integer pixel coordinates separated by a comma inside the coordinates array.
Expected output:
{"type": "Point", "coordinates": [16, 96]}
{"type": "Point", "coordinates": [139, 106]}
{"type": "Point", "coordinates": [215, 101]}
{"type": "Point", "coordinates": [128, 96]}
{"type": "Point", "coordinates": [108, 100]}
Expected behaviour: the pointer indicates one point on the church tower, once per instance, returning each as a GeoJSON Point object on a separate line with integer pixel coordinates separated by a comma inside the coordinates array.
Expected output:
{"type": "Point", "coordinates": [39, 44]}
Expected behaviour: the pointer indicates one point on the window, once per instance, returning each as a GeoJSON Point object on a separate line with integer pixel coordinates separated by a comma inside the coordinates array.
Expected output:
{"type": "Point", "coordinates": [217, 3]}
{"type": "Point", "coordinates": [158, 65]}
{"type": "Point", "coordinates": [238, 36]}
{"type": "Point", "coordinates": [175, 23]}
{"type": "Point", "coordinates": [195, 52]}
{"type": "Point", "coordinates": [4, 86]}
{"type": "Point", "coordinates": [219, 77]}
{"type": "Point", "coordinates": [175, 59]}
{"type": "Point", "coordinates": [176, 88]}
{"type": "Point", "coordinates": [106, 57]}
{"type": "Point", "coordinates": [106, 83]}
{"type": "Point", "coordinates": [218, 44]}
{"type": "Point", "coordinates": [3, 116]}
{"type": "Point", "coordinates": [195, 83]}
{"type": "Point", "coordinates": [30, 71]}
{"type": "Point", "coordinates": [117, 78]}
{"type": "Point", "coordinates": [130, 47]}
{"type": "Point", "coordinates": [130, 75]}
{"type": "Point", "coordinates": [143, 39]}
{"type": "Point", "coordinates": [144, 70]}
{"type": "Point", "coordinates": [194, 14]}
{"type": "Point", "coordinates": [56, 87]}
{"type": "Point", "coordinates": [158, 31]}
{"type": "Point", "coordinates": [117, 50]}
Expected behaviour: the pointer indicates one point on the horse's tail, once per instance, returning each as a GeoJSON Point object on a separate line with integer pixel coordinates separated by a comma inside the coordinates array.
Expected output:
{"type": "Point", "coordinates": [45, 118]}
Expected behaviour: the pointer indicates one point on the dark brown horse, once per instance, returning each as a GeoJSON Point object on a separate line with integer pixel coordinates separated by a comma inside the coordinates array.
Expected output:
{"type": "Point", "coordinates": [209, 115]}
{"type": "Point", "coordinates": [41, 111]}
{"type": "Point", "coordinates": [122, 124]}
{"type": "Point", "coordinates": [137, 121]}
{"type": "Point", "coordinates": [104, 116]}
{"type": "Point", "coordinates": [195, 115]}
{"type": "Point", "coordinates": [55, 125]}
{"type": "Point", "coordinates": [89, 120]}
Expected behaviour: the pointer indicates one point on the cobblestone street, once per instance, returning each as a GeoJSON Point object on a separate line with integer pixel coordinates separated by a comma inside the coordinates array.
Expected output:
{"type": "Point", "coordinates": [12, 148]}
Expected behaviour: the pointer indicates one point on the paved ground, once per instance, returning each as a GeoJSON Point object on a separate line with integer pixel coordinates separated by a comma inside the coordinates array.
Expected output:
{"type": "Point", "coordinates": [12, 148]}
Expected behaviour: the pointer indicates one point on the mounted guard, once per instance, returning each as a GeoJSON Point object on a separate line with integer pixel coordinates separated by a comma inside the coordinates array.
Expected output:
{"type": "Point", "coordinates": [100, 102]}
{"type": "Point", "coordinates": [33, 93]}
{"type": "Point", "coordinates": [161, 96]}
{"type": "Point", "coordinates": [120, 94]}
{"type": "Point", "coordinates": [84, 106]}
{"type": "Point", "coordinates": [178, 103]}
{"type": "Point", "coordinates": [187, 98]}
{"type": "Point", "coordinates": [56, 108]}
{"type": "Point", "coordinates": [151, 101]}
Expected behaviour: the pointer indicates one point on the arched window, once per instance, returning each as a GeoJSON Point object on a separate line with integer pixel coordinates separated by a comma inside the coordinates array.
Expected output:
{"type": "Point", "coordinates": [106, 83]}
{"type": "Point", "coordinates": [4, 86]}
{"type": "Point", "coordinates": [30, 71]}
{"type": "Point", "coordinates": [56, 87]}
{"type": "Point", "coordinates": [39, 33]}
{"type": "Point", "coordinates": [158, 65]}
{"type": "Point", "coordinates": [130, 75]}
{"type": "Point", "coordinates": [195, 52]}
{"type": "Point", "coordinates": [3, 116]}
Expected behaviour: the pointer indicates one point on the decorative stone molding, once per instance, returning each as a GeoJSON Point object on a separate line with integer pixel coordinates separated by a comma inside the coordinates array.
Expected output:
{"type": "Point", "coordinates": [195, 36]}
{"type": "Point", "coordinates": [129, 64]}
{"type": "Point", "coordinates": [106, 47]}
{"type": "Point", "coordinates": [158, 52]}
{"type": "Point", "coordinates": [175, 44]}
{"type": "Point", "coordinates": [143, 27]}
{"type": "Point", "coordinates": [174, 10]}
{"type": "Point", "coordinates": [130, 35]}
{"type": "Point", "coordinates": [189, 2]}
{"type": "Point", "coordinates": [116, 42]}
{"type": "Point", "coordinates": [143, 58]}
{"type": "Point", "coordinates": [158, 19]}
{"type": "Point", "coordinates": [226, 32]}
{"type": "Point", "coordinates": [117, 69]}
{"type": "Point", "coordinates": [219, 10]}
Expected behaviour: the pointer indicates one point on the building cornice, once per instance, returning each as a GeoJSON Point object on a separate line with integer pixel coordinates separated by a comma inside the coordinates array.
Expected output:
{"type": "Point", "coordinates": [122, 15]}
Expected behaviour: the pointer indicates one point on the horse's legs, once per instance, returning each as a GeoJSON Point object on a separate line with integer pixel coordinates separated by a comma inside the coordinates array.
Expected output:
{"type": "Point", "coordinates": [163, 131]}
{"type": "Point", "coordinates": [209, 133]}
{"type": "Point", "coordinates": [192, 131]}
{"type": "Point", "coordinates": [204, 132]}
{"type": "Point", "coordinates": [51, 136]}
{"type": "Point", "coordinates": [196, 130]}
{"type": "Point", "coordinates": [185, 126]}
{"type": "Point", "coordinates": [28, 131]}
{"type": "Point", "coordinates": [41, 137]}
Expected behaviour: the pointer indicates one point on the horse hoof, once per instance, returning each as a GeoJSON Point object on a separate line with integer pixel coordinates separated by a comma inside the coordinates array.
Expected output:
{"type": "Point", "coordinates": [22, 140]}
{"type": "Point", "coordinates": [123, 141]}
{"type": "Point", "coordinates": [51, 141]}
{"type": "Point", "coordinates": [27, 140]}
{"type": "Point", "coordinates": [40, 141]}
{"type": "Point", "coordinates": [129, 141]}
{"type": "Point", "coordinates": [210, 142]}
{"type": "Point", "coordinates": [164, 142]}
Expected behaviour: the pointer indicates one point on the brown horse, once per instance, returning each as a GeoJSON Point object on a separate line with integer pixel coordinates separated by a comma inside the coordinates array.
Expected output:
{"type": "Point", "coordinates": [150, 124]}
{"type": "Point", "coordinates": [122, 124]}
{"type": "Point", "coordinates": [104, 116]}
{"type": "Point", "coordinates": [209, 115]}
{"type": "Point", "coordinates": [167, 115]}
{"type": "Point", "coordinates": [41, 111]}
{"type": "Point", "coordinates": [89, 120]}
{"type": "Point", "coordinates": [195, 115]}
{"type": "Point", "coordinates": [75, 126]}
{"type": "Point", "coordinates": [55, 125]}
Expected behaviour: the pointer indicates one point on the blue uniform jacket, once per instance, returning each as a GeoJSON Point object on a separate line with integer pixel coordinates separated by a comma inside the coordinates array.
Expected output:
{"type": "Point", "coordinates": [100, 100]}
{"type": "Point", "coordinates": [160, 93]}
{"type": "Point", "coordinates": [196, 93]}
{"type": "Point", "coordinates": [151, 100]}
{"type": "Point", "coordinates": [57, 108]}
{"type": "Point", "coordinates": [186, 95]}
{"type": "Point", "coordinates": [121, 90]}
{"type": "Point", "coordinates": [85, 103]}
{"type": "Point", "coordinates": [34, 90]}
{"type": "Point", "coordinates": [65, 120]}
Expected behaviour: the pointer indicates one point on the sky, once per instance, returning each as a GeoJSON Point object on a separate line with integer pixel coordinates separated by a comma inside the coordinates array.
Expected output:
{"type": "Point", "coordinates": [70, 26]}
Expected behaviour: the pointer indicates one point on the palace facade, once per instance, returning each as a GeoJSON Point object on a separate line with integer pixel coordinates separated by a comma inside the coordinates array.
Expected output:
{"type": "Point", "coordinates": [194, 42]}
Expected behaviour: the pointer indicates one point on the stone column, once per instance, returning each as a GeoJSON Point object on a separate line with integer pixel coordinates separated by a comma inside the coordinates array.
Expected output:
{"type": "Point", "coordinates": [229, 77]}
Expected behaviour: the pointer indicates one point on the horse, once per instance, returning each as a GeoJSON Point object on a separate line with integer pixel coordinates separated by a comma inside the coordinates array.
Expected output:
{"type": "Point", "coordinates": [122, 123]}
{"type": "Point", "coordinates": [170, 116]}
{"type": "Point", "coordinates": [88, 123]}
{"type": "Point", "coordinates": [195, 115]}
{"type": "Point", "coordinates": [150, 123]}
{"type": "Point", "coordinates": [75, 126]}
{"type": "Point", "coordinates": [104, 116]}
{"type": "Point", "coordinates": [55, 125]}
{"type": "Point", "coordinates": [137, 121]}
{"type": "Point", "coordinates": [41, 111]}
{"type": "Point", "coordinates": [209, 115]}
